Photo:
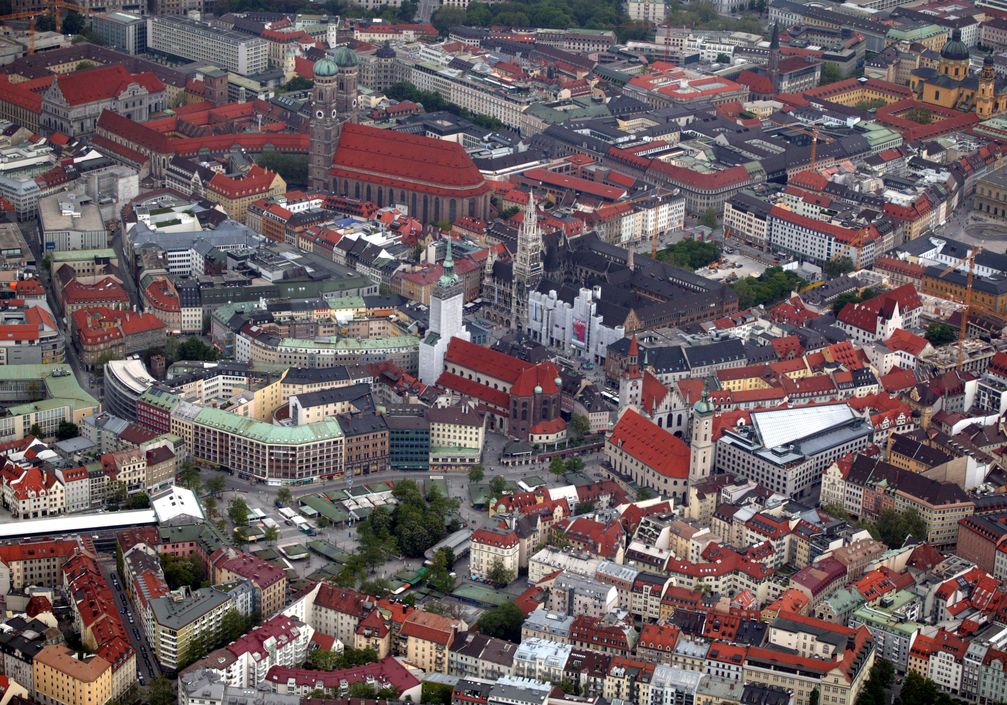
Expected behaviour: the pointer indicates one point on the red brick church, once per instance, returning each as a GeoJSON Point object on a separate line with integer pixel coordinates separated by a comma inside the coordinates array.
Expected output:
{"type": "Point", "coordinates": [435, 179]}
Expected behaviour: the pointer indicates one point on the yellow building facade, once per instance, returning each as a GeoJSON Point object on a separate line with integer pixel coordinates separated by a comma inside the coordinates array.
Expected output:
{"type": "Point", "coordinates": [952, 85]}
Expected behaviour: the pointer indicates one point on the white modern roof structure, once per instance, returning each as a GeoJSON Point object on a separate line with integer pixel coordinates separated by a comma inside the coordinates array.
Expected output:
{"type": "Point", "coordinates": [782, 427]}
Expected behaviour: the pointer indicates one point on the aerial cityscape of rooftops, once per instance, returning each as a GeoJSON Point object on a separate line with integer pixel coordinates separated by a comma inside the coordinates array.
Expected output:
{"type": "Point", "coordinates": [503, 352]}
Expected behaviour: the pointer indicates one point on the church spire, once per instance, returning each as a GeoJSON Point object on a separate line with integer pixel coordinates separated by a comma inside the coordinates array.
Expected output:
{"type": "Point", "coordinates": [527, 269]}
{"type": "Point", "coordinates": [449, 277]}
{"type": "Point", "coordinates": [774, 58]}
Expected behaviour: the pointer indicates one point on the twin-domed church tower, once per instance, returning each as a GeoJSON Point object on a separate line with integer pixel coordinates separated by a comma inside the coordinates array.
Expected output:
{"type": "Point", "coordinates": [333, 103]}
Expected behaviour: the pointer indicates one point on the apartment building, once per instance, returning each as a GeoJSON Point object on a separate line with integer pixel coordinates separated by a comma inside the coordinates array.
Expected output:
{"type": "Point", "coordinates": [63, 677]}
{"type": "Point", "coordinates": [491, 548]}
{"type": "Point", "coordinates": [236, 52]}
{"type": "Point", "coordinates": [428, 639]}
{"type": "Point", "coordinates": [270, 582]}
{"type": "Point", "coordinates": [183, 619]}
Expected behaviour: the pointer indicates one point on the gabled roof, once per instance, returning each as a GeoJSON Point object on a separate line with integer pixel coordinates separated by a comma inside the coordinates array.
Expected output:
{"type": "Point", "coordinates": [104, 82]}
{"type": "Point", "coordinates": [655, 447]}
{"type": "Point", "coordinates": [417, 162]}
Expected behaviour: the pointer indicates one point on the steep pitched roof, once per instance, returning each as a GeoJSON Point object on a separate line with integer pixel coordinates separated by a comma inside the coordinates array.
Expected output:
{"type": "Point", "coordinates": [420, 163]}
{"type": "Point", "coordinates": [653, 446]}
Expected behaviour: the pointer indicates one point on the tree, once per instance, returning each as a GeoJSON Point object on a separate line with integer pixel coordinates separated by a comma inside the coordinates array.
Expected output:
{"type": "Point", "coordinates": [895, 527]}
{"type": "Point", "coordinates": [292, 167]}
{"type": "Point", "coordinates": [579, 426]}
{"type": "Point", "coordinates": [271, 534]}
{"type": "Point", "coordinates": [179, 572]}
{"type": "Point", "coordinates": [691, 254]}
{"type": "Point", "coordinates": [232, 626]}
{"type": "Point", "coordinates": [723, 58]}
{"type": "Point", "coordinates": [852, 297]}
{"type": "Point", "coordinates": [436, 693]}
{"type": "Point", "coordinates": [120, 565]}
{"type": "Point", "coordinates": [210, 506]}
{"type": "Point", "coordinates": [284, 496]}
{"type": "Point", "coordinates": [441, 567]}
{"type": "Point", "coordinates": [915, 689]}
{"type": "Point", "coordinates": [830, 74]}
{"type": "Point", "coordinates": [433, 102]}
{"type": "Point", "coordinates": [940, 334]}
{"type": "Point", "coordinates": [446, 17]}
{"type": "Point", "coordinates": [188, 476]}
{"type": "Point", "coordinates": [879, 681]}
{"type": "Point", "coordinates": [838, 267]}
{"type": "Point", "coordinates": [362, 689]}
{"type": "Point", "coordinates": [215, 485]}
{"type": "Point", "coordinates": [140, 500]}
{"type": "Point", "coordinates": [161, 691]}
{"type": "Point", "coordinates": [772, 285]}
{"type": "Point", "coordinates": [67, 430]}
{"type": "Point", "coordinates": [498, 485]}
{"type": "Point", "coordinates": [237, 511]}
{"type": "Point", "coordinates": [644, 493]}
{"type": "Point", "coordinates": [584, 507]}
{"type": "Point", "coordinates": [499, 575]}
{"type": "Point", "coordinates": [502, 622]}
{"type": "Point", "coordinates": [921, 116]}
{"type": "Point", "coordinates": [117, 494]}
{"type": "Point", "coordinates": [509, 212]}
{"type": "Point", "coordinates": [556, 466]}
{"type": "Point", "coordinates": [298, 83]}
{"type": "Point", "coordinates": [709, 218]}
{"type": "Point", "coordinates": [323, 659]}
{"type": "Point", "coordinates": [191, 349]}
{"type": "Point", "coordinates": [35, 430]}
{"type": "Point", "coordinates": [869, 105]}
{"type": "Point", "coordinates": [476, 473]}
{"type": "Point", "coordinates": [84, 65]}
{"type": "Point", "coordinates": [813, 697]}
{"type": "Point", "coordinates": [574, 464]}
{"type": "Point", "coordinates": [73, 23]}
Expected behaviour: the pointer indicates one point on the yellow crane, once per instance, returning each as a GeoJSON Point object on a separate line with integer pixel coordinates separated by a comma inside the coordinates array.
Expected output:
{"type": "Point", "coordinates": [970, 259]}
{"type": "Point", "coordinates": [55, 7]}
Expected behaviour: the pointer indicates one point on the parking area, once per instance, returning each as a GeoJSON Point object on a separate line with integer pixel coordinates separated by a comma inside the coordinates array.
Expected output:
{"type": "Point", "coordinates": [733, 265]}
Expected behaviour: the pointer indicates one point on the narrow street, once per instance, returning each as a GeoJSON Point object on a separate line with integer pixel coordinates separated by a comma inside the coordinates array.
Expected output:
{"type": "Point", "coordinates": [146, 664]}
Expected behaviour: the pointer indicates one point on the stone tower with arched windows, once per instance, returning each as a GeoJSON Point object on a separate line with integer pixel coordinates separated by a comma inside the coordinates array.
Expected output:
{"type": "Point", "coordinates": [333, 103]}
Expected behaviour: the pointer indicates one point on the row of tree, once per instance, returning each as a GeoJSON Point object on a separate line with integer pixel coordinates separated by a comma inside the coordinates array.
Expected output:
{"type": "Point", "coordinates": [433, 102]}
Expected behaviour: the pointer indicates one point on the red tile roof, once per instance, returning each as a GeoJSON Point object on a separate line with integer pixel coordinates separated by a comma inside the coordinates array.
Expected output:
{"type": "Point", "coordinates": [906, 341]}
{"type": "Point", "coordinates": [104, 82]}
{"type": "Point", "coordinates": [430, 627]}
{"type": "Point", "coordinates": [499, 539]}
{"type": "Point", "coordinates": [386, 672]}
{"type": "Point", "coordinates": [105, 290]}
{"type": "Point", "coordinates": [655, 447]}
{"type": "Point", "coordinates": [411, 161]}
{"type": "Point", "coordinates": [255, 181]}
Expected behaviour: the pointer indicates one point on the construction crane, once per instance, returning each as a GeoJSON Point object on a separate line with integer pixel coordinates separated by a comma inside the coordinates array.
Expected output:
{"type": "Point", "coordinates": [55, 7]}
{"type": "Point", "coordinates": [970, 258]}
{"type": "Point", "coordinates": [812, 132]}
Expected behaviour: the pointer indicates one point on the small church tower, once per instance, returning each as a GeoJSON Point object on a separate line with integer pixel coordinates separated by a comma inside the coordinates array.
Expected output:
{"type": "Point", "coordinates": [701, 443]}
{"type": "Point", "coordinates": [985, 100]}
{"type": "Point", "coordinates": [773, 68]}
{"type": "Point", "coordinates": [631, 384]}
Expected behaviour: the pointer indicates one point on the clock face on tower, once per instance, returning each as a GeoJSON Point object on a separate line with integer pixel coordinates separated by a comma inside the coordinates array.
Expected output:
{"type": "Point", "coordinates": [335, 113]}
{"type": "Point", "coordinates": [320, 114]}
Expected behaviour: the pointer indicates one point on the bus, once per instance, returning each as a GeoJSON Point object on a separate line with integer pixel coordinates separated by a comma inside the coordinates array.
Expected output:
{"type": "Point", "coordinates": [610, 397]}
